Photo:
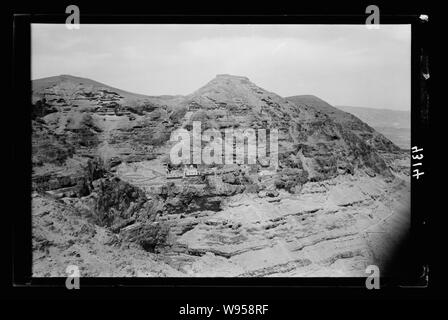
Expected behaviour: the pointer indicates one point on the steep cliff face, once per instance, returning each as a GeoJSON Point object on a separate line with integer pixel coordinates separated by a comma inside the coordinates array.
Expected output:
{"type": "Point", "coordinates": [348, 121]}
{"type": "Point", "coordinates": [100, 151]}
{"type": "Point", "coordinates": [320, 139]}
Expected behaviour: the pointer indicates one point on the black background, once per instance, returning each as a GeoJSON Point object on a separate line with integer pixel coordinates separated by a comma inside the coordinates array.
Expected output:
{"type": "Point", "coordinates": [280, 295]}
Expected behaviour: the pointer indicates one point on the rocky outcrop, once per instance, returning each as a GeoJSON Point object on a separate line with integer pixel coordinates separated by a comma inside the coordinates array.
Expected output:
{"type": "Point", "coordinates": [291, 178]}
{"type": "Point", "coordinates": [41, 108]}
{"type": "Point", "coordinates": [48, 147]}
{"type": "Point", "coordinates": [62, 236]}
{"type": "Point", "coordinates": [102, 152]}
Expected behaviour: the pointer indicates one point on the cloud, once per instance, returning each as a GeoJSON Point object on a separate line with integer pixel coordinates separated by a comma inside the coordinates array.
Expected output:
{"type": "Point", "coordinates": [343, 64]}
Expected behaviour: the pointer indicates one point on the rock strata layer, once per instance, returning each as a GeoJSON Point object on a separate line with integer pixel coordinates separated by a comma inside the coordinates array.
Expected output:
{"type": "Point", "coordinates": [102, 198]}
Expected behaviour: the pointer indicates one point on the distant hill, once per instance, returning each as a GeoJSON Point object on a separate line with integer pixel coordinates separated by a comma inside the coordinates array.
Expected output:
{"type": "Point", "coordinates": [394, 124]}
{"type": "Point", "coordinates": [73, 87]}
{"type": "Point", "coordinates": [41, 84]}
{"type": "Point", "coordinates": [363, 130]}
{"type": "Point", "coordinates": [381, 117]}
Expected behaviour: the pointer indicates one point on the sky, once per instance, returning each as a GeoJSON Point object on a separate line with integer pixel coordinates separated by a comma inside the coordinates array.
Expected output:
{"type": "Point", "coordinates": [341, 64]}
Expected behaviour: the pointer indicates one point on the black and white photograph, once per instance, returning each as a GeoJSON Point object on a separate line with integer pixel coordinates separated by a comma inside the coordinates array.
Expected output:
{"type": "Point", "coordinates": [212, 150]}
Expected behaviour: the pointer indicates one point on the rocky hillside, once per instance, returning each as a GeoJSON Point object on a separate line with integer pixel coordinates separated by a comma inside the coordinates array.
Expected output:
{"type": "Point", "coordinates": [100, 153]}
{"type": "Point", "coordinates": [394, 124]}
{"type": "Point", "coordinates": [347, 120]}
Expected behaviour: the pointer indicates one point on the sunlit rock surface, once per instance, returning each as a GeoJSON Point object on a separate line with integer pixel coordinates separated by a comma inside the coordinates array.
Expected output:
{"type": "Point", "coordinates": [338, 201]}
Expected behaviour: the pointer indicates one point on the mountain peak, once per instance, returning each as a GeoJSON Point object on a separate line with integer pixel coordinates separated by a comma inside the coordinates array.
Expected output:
{"type": "Point", "coordinates": [68, 76]}
{"type": "Point", "coordinates": [227, 83]}
{"type": "Point", "coordinates": [231, 77]}
{"type": "Point", "coordinates": [228, 80]}
{"type": "Point", "coordinates": [62, 80]}
{"type": "Point", "coordinates": [225, 88]}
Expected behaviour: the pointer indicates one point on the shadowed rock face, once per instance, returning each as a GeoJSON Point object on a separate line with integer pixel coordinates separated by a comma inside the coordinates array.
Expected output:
{"type": "Point", "coordinates": [100, 152]}
{"type": "Point", "coordinates": [310, 129]}
{"type": "Point", "coordinates": [348, 121]}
